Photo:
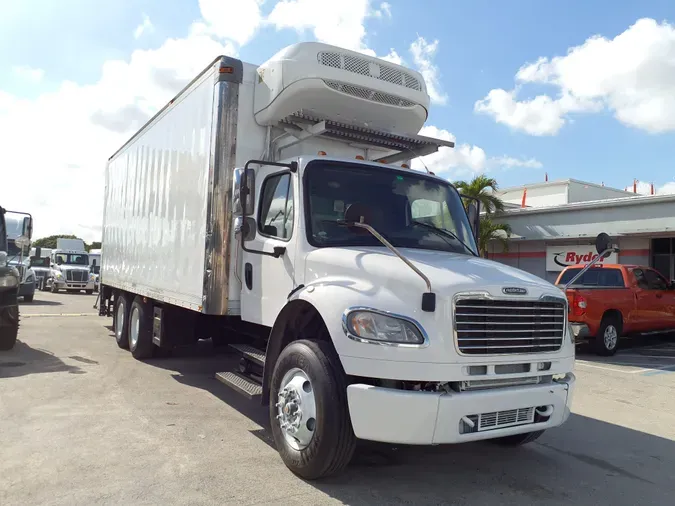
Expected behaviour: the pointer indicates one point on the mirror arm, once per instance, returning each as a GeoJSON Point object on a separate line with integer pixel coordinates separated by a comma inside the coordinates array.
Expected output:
{"type": "Point", "coordinates": [602, 255]}
{"type": "Point", "coordinates": [429, 298]}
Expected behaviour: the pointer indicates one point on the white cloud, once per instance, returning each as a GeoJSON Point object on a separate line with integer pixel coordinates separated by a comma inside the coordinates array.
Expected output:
{"type": "Point", "coordinates": [80, 126]}
{"type": "Point", "coordinates": [631, 75]}
{"type": "Point", "coordinates": [423, 54]}
{"type": "Point", "coordinates": [383, 11]}
{"type": "Point", "coordinates": [29, 74]}
{"type": "Point", "coordinates": [644, 188]}
{"type": "Point", "coordinates": [235, 20]}
{"type": "Point", "coordinates": [393, 57]}
{"type": "Point", "coordinates": [339, 22]}
{"type": "Point", "coordinates": [464, 159]}
{"type": "Point", "coordinates": [145, 27]}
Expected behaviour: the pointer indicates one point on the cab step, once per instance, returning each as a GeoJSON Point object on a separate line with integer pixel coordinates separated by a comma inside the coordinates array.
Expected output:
{"type": "Point", "coordinates": [250, 353]}
{"type": "Point", "coordinates": [244, 385]}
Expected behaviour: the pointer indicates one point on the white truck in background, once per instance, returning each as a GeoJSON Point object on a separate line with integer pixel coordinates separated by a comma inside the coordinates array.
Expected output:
{"type": "Point", "coordinates": [95, 266]}
{"type": "Point", "coordinates": [271, 208]}
{"type": "Point", "coordinates": [70, 267]}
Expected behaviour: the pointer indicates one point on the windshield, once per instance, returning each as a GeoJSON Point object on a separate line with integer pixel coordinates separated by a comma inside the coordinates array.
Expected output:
{"type": "Point", "coordinates": [39, 262]}
{"type": "Point", "coordinates": [71, 259]}
{"type": "Point", "coordinates": [410, 210]}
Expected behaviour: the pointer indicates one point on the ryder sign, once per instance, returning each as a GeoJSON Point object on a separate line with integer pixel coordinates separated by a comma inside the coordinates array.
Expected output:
{"type": "Point", "coordinates": [559, 257]}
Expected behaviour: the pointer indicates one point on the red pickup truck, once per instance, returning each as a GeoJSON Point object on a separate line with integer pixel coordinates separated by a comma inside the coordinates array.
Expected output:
{"type": "Point", "coordinates": [611, 300]}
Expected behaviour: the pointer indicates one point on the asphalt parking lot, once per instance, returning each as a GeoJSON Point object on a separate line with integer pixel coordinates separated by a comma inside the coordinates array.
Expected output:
{"type": "Point", "coordinates": [82, 423]}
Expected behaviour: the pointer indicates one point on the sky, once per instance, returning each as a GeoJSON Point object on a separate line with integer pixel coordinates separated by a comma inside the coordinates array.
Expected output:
{"type": "Point", "coordinates": [527, 89]}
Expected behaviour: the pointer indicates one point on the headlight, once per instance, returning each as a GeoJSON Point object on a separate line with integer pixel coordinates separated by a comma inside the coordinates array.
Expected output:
{"type": "Point", "coordinates": [372, 326]}
{"type": "Point", "coordinates": [8, 281]}
{"type": "Point", "coordinates": [92, 277]}
{"type": "Point", "coordinates": [58, 275]}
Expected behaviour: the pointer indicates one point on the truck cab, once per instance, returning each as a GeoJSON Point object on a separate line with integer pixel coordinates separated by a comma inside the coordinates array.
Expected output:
{"type": "Point", "coordinates": [17, 250]}
{"type": "Point", "coordinates": [10, 276]}
{"type": "Point", "coordinates": [70, 267]}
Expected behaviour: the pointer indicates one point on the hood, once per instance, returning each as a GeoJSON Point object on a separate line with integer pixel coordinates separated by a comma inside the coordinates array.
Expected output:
{"type": "Point", "coordinates": [66, 268]}
{"type": "Point", "coordinates": [449, 273]}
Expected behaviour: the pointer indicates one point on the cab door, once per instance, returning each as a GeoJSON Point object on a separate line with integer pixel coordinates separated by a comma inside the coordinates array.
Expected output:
{"type": "Point", "coordinates": [267, 266]}
{"type": "Point", "coordinates": [650, 303]}
{"type": "Point", "coordinates": [665, 297]}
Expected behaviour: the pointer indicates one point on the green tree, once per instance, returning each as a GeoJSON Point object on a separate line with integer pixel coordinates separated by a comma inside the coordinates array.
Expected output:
{"type": "Point", "coordinates": [50, 242]}
{"type": "Point", "coordinates": [483, 189]}
{"type": "Point", "coordinates": [491, 231]}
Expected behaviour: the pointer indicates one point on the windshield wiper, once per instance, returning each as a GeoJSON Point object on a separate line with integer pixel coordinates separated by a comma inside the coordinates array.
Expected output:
{"type": "Point", "coordinates": [444, 233]}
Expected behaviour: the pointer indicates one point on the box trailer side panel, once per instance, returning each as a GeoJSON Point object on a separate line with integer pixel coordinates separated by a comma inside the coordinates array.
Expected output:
{"type": "Point", "coordinates": [156, 199]}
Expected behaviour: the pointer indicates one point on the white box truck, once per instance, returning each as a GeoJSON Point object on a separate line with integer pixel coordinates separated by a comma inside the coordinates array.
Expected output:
{"type": "Point", "coordinates": [271, 208]}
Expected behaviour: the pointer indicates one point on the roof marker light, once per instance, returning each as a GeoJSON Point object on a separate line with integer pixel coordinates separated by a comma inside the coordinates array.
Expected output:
{"type": "Point", "coordinates": [359, 157]}
{"type": "Point", "coordinates": [321, 153]}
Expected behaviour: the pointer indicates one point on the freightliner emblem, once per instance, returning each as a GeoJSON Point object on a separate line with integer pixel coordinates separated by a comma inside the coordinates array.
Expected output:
{"type": "Point", "coordinates": [514, 290]}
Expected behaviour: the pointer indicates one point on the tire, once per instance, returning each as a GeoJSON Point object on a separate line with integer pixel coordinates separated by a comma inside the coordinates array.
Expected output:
{"type": "Point", "coordinates": [606, 341]}
{"type": "Point", "coordinates": [140, 325]}
{"type": "Point", "coordinates": [89, 292]}
{"type": "Point", "coordinates": [9, 327]}
{"type": "Point", "coordinates": [29, 298]}
{"type": "Point", "coordinates": [121, 320]}
{"type": "Point", "coordinates": [332, 442]}
{"type": "Point", "coordinates": [519, 439]}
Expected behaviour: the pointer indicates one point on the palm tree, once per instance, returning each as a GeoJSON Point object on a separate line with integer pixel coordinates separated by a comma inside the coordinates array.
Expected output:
{"type": "Point", "coordinates": [483, 189]}
{"type": "Point", "coordinates": [491, 231]}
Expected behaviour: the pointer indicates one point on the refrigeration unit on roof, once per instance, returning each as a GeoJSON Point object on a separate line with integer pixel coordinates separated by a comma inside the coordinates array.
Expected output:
{"type": "Point", "coordinates": [326, 82]}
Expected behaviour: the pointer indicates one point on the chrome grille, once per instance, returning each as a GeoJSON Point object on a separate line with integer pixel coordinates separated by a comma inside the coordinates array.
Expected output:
{"type": "Point", "coordinates": [487, 326]}
{"type": "Point", "coordinates": [76, 276]}
{"type": "Point", "coordinates": [369, 68]}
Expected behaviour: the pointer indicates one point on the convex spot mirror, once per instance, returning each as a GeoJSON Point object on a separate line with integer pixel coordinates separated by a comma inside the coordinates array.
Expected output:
{"type": "Point", "coordinates": [602, 243]}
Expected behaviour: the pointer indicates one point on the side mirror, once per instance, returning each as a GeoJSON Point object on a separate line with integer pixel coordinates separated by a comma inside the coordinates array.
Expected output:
{"type": "Point", "coordinates": [28, 227]}
{"type": "Point", "coordinates": [473, 214]}
{"type": "Point", "coordinates": [244, 228]}
{"type": "Point", "coordinates": [244, 191]}
{"type": "Point", "coordinates": [93, 263]}
{"type": "Point", "coordinates": [602, 243]}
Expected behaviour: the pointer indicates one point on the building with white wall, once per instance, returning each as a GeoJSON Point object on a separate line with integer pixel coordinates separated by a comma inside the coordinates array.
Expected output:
{"type": "Point", "coordinates": [561, 219]}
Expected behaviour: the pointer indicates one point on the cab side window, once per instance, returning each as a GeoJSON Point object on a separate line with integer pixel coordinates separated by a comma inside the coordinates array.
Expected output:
{"type": "Point", "coordinates": [655, 280]}
{"type": "Point", "coordinates": [276, 207]}
{"type": "Point", "coordinates": [641, 279]}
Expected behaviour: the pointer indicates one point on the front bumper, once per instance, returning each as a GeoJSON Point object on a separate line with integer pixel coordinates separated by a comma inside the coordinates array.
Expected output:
{"type": "Point", "coordinates": [580, 331]}
{"type": "Point", "coordinates": [428, 418]}
{"type": "Point", "coordinates": [62, 284]}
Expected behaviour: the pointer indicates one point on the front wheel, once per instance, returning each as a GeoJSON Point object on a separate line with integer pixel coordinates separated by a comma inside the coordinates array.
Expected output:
{"type": "Point", "coordinates": [308, 410]}
{"type": "Point", "coordinates": [9, 327]}
{"type": "Point", "coordinates": [519, 439]}
{"type": "Point", "coordinates": [606, 342]}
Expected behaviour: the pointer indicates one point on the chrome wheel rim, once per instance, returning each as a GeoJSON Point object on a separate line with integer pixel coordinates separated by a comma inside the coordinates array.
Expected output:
{"type": "Point", "coordinates": [611, 337]}
{"type": "Point", "coordinates": [119, 321]}
{"type": "Point", "coordinates": [296, 409]}
{"type": "Point", "coordinates": [133, 327]}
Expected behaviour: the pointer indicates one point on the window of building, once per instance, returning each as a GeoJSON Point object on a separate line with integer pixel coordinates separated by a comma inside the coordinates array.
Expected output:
{"type": "Point", "coordinates": [663, 256]}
